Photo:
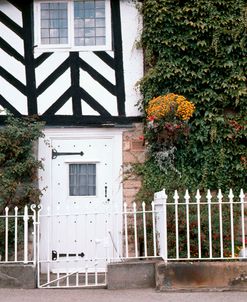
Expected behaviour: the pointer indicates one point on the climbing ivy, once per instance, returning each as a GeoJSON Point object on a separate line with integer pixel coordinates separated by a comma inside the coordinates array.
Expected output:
{"type": "Point", "coordinates": [198, 49]}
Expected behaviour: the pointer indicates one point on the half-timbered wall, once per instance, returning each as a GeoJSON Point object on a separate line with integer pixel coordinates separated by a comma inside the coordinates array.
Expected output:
{"type": "Point", "coordinates": [87, 88]}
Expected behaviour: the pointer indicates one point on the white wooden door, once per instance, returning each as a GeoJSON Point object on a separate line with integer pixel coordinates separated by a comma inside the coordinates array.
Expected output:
{"type": "Point", "coordinates": [81, 203]}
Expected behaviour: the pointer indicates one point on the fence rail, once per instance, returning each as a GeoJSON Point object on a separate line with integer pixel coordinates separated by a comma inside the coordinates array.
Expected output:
{"type": "Point", "coordinates": [202, 227]}
{"type": "Point", "coordinates": [211, 227]}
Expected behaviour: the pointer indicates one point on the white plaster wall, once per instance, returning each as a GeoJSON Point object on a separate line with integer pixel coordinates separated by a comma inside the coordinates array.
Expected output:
{"type": "Point", "coordinates": [13, 96]}
{"type": "Point", "coordinates": [11, 11]}
{"type": "Point", "coordinates": [9, 63]}
{"type": "Point", "coordinates": [99, 65]}
{"type": "Point", "coordinates": [60, 85]}
{"type": "Point", "coordinates": [53, 92]}
{"type": "Point", "coordinates": [133, 68]}
{"type": "Point", "coordinates": [133, 57]}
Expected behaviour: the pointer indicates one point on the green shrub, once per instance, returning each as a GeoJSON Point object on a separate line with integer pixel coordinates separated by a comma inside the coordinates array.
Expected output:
{"type": "Point", "coordinates": [18, 170]}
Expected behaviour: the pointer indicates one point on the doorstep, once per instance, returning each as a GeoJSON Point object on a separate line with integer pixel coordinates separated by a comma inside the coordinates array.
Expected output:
{"type": "Point", "coordinates": [131, 274]}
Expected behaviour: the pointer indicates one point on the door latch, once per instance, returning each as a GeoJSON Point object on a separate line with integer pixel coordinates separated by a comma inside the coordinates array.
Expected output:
{"type": "Point", "coordinates": [63, 255]}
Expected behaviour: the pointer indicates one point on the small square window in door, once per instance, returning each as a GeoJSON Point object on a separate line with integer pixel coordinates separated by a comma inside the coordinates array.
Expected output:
{"type": "Point", "coordinates": [82, 179]}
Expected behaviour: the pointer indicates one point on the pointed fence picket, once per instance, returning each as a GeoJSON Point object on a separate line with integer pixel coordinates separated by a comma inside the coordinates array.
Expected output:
{"type": "Point", "coordinates": [17, 231]}
{"type": "Point", "coordinates": [149, 230]}
{"type": "Point", "coordinates": [213, 227]}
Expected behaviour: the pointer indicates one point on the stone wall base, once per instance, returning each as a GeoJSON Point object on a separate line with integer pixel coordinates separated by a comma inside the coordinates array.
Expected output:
{"type": "Point", "coordinates": [17, 276]}
{"type": "Point", "coordinates": [179, 276]}
{"type": "Point", "coordinates": [201, 276]}
{"type": "Point", "coordinates": [132, 274]}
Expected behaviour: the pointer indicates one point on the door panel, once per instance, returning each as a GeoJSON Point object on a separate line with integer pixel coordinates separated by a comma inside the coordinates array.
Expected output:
{"type": "Point", "coordinates": [81, 199]}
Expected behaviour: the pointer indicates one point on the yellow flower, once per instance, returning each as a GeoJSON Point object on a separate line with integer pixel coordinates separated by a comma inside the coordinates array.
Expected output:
{"type": "Point", "coordinates": [170, 105]}
{"type": "Point", "coordinates": [185, 110]}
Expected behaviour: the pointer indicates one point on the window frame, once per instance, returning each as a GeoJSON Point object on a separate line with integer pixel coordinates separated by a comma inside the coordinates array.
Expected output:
{"type": "Point", "coordinates": [70, 46]}
{"type": "Point", "coordinates": [80, 197]}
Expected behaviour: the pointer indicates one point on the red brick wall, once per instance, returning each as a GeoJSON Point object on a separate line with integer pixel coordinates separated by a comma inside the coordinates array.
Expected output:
{"type": "Point", "coordinates": [133, 152]}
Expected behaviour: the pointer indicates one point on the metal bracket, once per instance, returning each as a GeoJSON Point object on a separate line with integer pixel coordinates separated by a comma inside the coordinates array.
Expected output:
{"type": "Point", "coordinates": [55, 154]}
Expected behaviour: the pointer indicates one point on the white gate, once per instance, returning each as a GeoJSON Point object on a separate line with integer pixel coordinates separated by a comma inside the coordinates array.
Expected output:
{"type": "Point", "coordinates": [78, 265]}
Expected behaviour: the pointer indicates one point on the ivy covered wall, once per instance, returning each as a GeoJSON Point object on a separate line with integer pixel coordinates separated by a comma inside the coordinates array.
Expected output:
{"type": "Point", "coordinates": [197, 48]}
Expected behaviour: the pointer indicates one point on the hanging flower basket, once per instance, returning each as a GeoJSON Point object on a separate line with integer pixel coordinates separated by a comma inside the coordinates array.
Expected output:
{"type": "Point", "coordinates": [167, 118]}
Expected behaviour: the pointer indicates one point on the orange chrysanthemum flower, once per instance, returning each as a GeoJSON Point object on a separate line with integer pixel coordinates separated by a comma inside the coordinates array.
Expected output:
{"type": "Point", "coordinates": [170, 105]}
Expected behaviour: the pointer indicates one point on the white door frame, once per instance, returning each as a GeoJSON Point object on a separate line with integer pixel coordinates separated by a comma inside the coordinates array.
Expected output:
{"type": "Point", "coordinates": [45, 176]}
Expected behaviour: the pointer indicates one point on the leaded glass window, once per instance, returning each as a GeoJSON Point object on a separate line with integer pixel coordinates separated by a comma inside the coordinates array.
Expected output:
{"type": "Point", "coordinates": [89, 22]}
{"type": "Point", "coordinates": [74, 23]}
{"type": "Point", "coordinates": [82, 179]}
{"type": "Point", "coordinates": [54, 23]}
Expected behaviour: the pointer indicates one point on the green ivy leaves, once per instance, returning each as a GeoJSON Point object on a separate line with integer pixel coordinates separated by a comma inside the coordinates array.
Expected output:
{"type": "Point", "coordinates": [199, 49]}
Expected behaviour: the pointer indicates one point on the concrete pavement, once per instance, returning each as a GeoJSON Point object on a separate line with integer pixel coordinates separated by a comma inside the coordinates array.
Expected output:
{"type": "Point", "coordinates": [102, 295]}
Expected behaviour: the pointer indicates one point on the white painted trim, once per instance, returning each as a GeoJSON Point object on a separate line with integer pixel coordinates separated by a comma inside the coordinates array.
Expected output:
{"type": "Point", "coordinates": [70, 46]}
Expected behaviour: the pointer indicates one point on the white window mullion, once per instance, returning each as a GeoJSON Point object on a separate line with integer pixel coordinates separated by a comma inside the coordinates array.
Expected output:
{"type": "Point", "coordinates": [108, 25]}
{"type": "Point", "coordinates": [37, 27]}
{"type": "Point", "coordinates": [71, 23]}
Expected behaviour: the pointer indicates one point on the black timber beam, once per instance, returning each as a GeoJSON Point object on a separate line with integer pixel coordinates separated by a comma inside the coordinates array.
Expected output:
{"type": "Point", "coordinates": [118, 56]}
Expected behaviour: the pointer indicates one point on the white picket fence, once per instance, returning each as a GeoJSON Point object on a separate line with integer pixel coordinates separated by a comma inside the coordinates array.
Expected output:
{"type": "Point", "coordinates": [213, 227]}
{"type": "Point", "coordinates": [175, 228]}
{"type": "Point", "coordinates": [18, 235]}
